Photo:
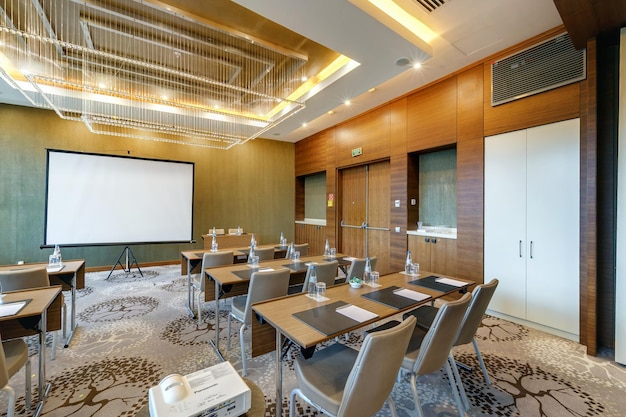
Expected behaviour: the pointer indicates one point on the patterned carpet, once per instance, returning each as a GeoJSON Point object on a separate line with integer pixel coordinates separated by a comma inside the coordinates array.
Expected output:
{"type": "Point", "coordinates": [135, 330]}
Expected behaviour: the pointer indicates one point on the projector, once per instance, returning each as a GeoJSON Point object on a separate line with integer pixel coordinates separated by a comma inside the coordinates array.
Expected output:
{"type": "Point", "coordinates": [215, 391]}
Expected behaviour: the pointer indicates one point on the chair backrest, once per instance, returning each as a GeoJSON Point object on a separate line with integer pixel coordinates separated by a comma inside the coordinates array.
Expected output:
{"type": "Point", "coordinates": [325, 272]}
{"type": "Point", "coordinates": [373, 261]}
{"type": "Point", "coordinates": [264, 254]}
{"type": "Point", "coordinates": [375, 370]}
{"type": "Point", "coordinates": [438, 341]}
{"type": "Point", "coordinates": [303, 248]}
{"type": "Point", "coordinates": [356, 268]}
{"type": "Point", "coordinates": [21, 279]}
{"type": "Point", "coordinates": [265, 285]}
{"type": "Point", "coordinates": [210, 259]}
{"type": "Point", "coordinates": [481, 296]}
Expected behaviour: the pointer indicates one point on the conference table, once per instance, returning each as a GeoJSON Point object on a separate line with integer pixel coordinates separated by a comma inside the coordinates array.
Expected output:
{"type": "Point", "coordinates": [70, 276]}
{"type": "Point", "coordinates": [191, 261]}
{"type": "Point", "coordinates": [33, 303]}
{"type": "Point", "coordinates": [308, 322]}
{"type": "Point", "coordinates": [233, 280]}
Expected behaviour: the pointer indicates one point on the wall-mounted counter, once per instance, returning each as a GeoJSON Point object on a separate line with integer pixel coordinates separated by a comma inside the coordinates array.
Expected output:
{"type": "Point", "coordinates": [434, 248]}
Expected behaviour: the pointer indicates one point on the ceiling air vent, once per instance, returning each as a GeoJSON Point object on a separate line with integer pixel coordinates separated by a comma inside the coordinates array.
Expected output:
{"type": "Point", "coordinates": [430, 5]}
{"type": "Point", "coordinates": [542, 67]}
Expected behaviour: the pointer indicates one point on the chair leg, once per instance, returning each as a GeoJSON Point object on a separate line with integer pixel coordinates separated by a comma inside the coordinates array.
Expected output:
{"type": "Point", "coordinates": [481, 362]}
{"type": "Point", "coordinates": [392, 406]}
{"type": "Point", "coordinates": [55, 338]}
{"type": "Point", "coordinates": [228, 338]}
{"type": "Point", "coordinates": [27, 385]}
{"type": "Point", "coordinates": [64, 323]}
{"type": "Point", "coordinates": [455, 392]}
{"type": "Point", "coordinates": [418, 405]}
{"type": "Point", "coordinates": [11, 395]}
{"type": "Point", "coordinates": [243, 348]}
{"type": "Point", "coordinates": [292, 402]}
{"type": "Point", "coordinates": [459, 383]}
{"type": "Point", "coordinates": [199, 309]}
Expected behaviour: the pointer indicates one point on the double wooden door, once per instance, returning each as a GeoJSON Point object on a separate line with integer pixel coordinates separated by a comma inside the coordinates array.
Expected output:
{"type": "Point", "coordinates": [364, 212]}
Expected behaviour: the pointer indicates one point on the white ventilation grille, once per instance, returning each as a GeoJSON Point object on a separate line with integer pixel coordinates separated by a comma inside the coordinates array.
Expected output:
{"type": "Point", "coordinates": [549, 65]}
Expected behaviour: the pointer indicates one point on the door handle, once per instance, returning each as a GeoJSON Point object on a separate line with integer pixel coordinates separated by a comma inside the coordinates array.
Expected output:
{"type": "Point", "coordinates": [531, 249]}
{"type": "Point", "coordinates": [520, 248]}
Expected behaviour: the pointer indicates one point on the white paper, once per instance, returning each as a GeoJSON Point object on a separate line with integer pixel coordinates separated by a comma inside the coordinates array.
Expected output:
{"type": "Point", "coordinates": [317, 298]}
{"type": "Point", "coordinates": [356, 313]}
{"type": "Point", "coordinates": [349, 258]}
{"type": "Point", "coordinates": [451, 281]}
{"type": "Point", "coordinates": [54, 268]}
{"type": "Point", "coordinates": [260, 269]}
{"type": "Point", "coordinates": [414, 295]}
{"type": "Point", "coordinates": [11, 308]}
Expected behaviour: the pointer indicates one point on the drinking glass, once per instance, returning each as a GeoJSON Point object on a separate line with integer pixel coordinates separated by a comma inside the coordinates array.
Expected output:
{"type": "Point", "coordinates": [296, 256]}
{"type": "Point", "coordinates": [255, 261]}
{"type": "Point", "coordinates": [320, 289]}
{"type": "Point", "coordinates": [333, 253]}
{"type": "Point", "coordinates": [415, 269]}
{"type": "Point", "coordinates": [374, 279]}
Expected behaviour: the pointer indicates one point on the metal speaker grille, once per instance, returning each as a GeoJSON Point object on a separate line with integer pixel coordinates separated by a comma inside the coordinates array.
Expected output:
{"type": "Point", "coordinates": [543, 67]}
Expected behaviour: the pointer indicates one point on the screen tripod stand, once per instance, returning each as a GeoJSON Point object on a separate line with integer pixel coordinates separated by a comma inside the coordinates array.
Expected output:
{"type": "Point", "coordinates": [130, 261]}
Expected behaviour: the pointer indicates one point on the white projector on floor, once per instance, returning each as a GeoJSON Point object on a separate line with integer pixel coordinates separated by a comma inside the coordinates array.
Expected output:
{"type": "Point", "coordinates": [217, 391]}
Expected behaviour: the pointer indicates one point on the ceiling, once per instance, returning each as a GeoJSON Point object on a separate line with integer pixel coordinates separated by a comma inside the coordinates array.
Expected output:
{"type": "Point", "coordinates": [467, 31]}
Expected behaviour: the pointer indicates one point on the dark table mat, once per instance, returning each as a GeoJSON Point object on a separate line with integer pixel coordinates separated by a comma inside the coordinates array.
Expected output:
{"type": "Point", "coordinates": [325, 319]}
{"type": "Point", "coordinates": [429, 282]}
{"type": "Point", "coordinates": [244, 273]}
{"type": "Point", "coordinates": [388, 298]}
{"type": "Point", "coordinates": [298, 267]}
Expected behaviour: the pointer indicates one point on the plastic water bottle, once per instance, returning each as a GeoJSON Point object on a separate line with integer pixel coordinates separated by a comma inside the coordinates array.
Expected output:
{"type": "Point", "coordinates": [252, 241]}
{"type": "Point", "coordinates": [283, 241]}
{"type": "Point", "coordinates": [214, 244]}
{"type": "Point", "coordinates": [238, 230]}
{"type": "Point", "coordinates": [313, 282]}
{"type": "Point", "coordinates": [326, 248]}
{"type": "Point", "coordinates": [251, 254]}
{"type": "Point", "coordinates": [408, 264]}
{"type": "Point", "coordinates": [367, 271]}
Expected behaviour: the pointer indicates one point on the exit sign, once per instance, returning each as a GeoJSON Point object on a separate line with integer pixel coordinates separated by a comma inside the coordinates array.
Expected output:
{"type": "Point", "coordinates": [357, 152]}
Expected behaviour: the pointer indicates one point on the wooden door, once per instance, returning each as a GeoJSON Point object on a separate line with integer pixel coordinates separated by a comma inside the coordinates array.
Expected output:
{"type": "Point", "coordinates": [365, 212]}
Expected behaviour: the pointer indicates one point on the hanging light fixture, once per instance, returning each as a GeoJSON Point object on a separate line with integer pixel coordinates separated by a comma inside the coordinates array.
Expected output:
{"type": "Point", "coordinates": [133, 68]}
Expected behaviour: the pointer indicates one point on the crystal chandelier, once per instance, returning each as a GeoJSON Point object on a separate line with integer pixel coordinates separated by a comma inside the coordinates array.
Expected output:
{"type": "Point", "coordinates": [133, 68]}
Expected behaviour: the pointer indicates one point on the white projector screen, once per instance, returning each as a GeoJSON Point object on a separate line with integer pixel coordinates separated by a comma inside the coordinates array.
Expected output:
{"type": "Point", "coordinates": [111, 200]}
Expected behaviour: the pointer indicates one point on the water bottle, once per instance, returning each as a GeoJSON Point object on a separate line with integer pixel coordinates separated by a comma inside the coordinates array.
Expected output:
{"type": "Point", "coordinates": [326, 248]}
{"type": "Point", "coordinates": [283, 241]}
{"type": "Point", "coordinates": [408, 264]}
{"type": "Point", "coordinates": [367, 271]}
{"type": "Point", "coordinates": [251, 254]}
{"type": "Point", "coordinates": [213, 232]}
{"type": "Point", "coordinates": [313, 282]}
{"type": "Point", "coordinates": [238, 230]}
{"type": "Point", "coordinates": [214, 244]}
{"type": "Point", "coordinates": [252, 241]}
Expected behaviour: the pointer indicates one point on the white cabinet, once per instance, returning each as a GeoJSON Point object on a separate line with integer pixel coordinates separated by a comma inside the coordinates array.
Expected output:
{"type": "Point", "coordinates": [532, 224]}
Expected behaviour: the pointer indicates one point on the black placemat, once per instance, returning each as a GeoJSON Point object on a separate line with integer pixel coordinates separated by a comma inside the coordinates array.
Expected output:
{"type": "Point", "coordinates": [298, 267]}
{"type": "Point", "coordinates": [387, 297]}
{"type": "Point", "coordinates": [431, 283]}
{"type": "Point", "coordinates": [244, 273]}
{"type": "Point", "coordinates": [325, 319]}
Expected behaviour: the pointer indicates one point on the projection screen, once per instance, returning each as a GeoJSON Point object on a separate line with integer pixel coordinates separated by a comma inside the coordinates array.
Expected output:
{"type": "Point", "coordinates": [94, 199]}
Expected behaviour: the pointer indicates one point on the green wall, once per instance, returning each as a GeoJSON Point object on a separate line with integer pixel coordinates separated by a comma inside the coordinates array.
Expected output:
{"type": "Point", "coordinates": [250, 185]}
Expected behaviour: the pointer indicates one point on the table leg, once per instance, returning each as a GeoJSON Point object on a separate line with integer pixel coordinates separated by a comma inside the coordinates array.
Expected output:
{"type": "Point", "coordinates": [43, 387]}
{"type": "Point", "coordinates": [216, 343]}
{"type": "Point", "coordinates": [279, 375]}
{"type": "Point", "coordinates": [189, 307]}
{"type": "Point", "coordinates": [73, 316]}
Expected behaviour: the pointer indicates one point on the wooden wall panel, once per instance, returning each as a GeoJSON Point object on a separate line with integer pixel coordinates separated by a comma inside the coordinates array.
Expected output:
{"type": "Point", "coordinates": [470, 209]}
{"type": "Point", "coordinates": [470, 104]}
{"type": "Point", "coordinates": [431, 116]}
{"type": "Point", "coordinates": [398, 170]}
{"type": "Point", "coordinates": [371, 132]}
{"type": "Point", "coordinates": [311, 154]}
{"type": "Point", "coordinates": [331, 188]}
{"type": "Point", "coordinates": [312, 234]}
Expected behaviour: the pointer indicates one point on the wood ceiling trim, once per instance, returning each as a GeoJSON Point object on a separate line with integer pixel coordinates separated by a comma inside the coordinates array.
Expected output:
{"type": "Point", "coordinates": [585, 19]}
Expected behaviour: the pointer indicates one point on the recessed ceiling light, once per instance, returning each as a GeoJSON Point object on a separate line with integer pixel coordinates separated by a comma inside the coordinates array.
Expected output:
{"type": "Point", "coordinates": [304, 124]}
{"type": "Point", "coordinates": [417, 65]}
{"type": "Point", "coordinates": [347, 102]}
{"type": "Point", "coordinates": [331, 112]}
{"type": "Point", "coordinates": [371, 90]}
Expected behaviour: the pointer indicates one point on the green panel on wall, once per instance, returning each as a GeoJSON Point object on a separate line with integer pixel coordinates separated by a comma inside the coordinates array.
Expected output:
{"type": "Point", "coordinates": [315, 196]}
{"type": "Point", "coordinates": [437, 188]}
{"type": "Point", "coordinates": [251, 185]}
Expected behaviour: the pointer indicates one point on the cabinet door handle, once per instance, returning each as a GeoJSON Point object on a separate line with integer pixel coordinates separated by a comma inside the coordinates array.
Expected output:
{"type": "Point", "coordinates": [426, 239]}
{"type": "Point", "coordinates": [520, 248]}
{"type": "Point", "coordinates": [531, 249]}
{"type": "Point", "coordinates": [434, 240]}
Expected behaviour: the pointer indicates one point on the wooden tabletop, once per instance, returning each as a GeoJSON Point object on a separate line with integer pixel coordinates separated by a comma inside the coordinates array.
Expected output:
{"type": "Point", "coordinates": [279, 312]}
{"type": "Point", "coordinates": [70, 267]}
{"type": "Point", "coordinates": [40, 299]}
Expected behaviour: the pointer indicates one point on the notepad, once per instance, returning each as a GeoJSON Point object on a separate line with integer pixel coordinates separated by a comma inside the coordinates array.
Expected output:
{"type": "Point", "coordinates": [54, 268]}
{"type": "Point", "coordinates": [356, 313]}
{"type": "Point", "coordinates": [413, 295]}
{"type": "Point", "coordinates": [451, 281]}
{"type": "Point", "coordinates": [11, 309]}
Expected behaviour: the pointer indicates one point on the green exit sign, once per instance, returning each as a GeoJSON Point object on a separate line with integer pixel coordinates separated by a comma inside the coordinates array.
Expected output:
{"type": "Point", "coordinates": [357, 152]}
